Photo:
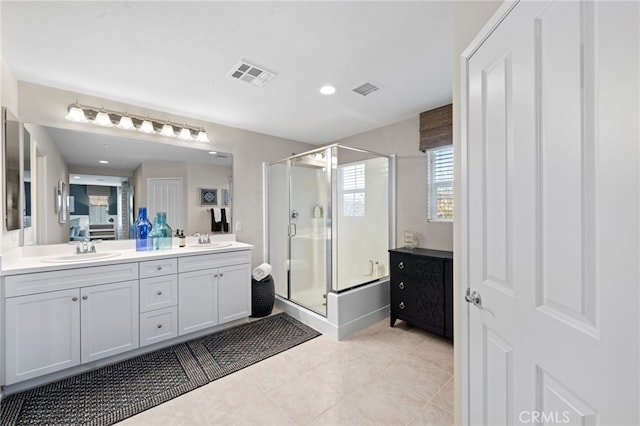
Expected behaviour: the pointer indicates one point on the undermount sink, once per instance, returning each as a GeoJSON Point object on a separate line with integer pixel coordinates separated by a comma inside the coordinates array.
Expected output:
{"type": "Point", "coordinates": [80, 257]}
{"type": "Point", "coordinates": [210, 245]}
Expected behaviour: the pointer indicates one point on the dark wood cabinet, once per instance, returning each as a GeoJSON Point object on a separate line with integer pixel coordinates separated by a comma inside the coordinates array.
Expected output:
{"type": "Point", "coordinates": [422, 289]}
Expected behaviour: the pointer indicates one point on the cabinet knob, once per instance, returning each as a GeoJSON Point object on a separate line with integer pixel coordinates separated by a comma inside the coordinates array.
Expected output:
{"type": "Point", "coordinates": [215, 275]}
{"type": "Point", "coordinates": [221, 275]}
{"type": "Point", "coordinates": [401, 305]}
{"type": "Point", "coordinates": [159, 325]}
{"type": "Point", "coordinates": [401, 285]}
{"type": "Point", "coordinates": [74, 298]}
{"type": "Point", "coordinates": [85, 297]}
{"type": "Point", "coordinates": [401, 265]}
{"type": "Point", "coordinates": [159, 268]}
{"type": "Point", "coordinates": [159, 292]}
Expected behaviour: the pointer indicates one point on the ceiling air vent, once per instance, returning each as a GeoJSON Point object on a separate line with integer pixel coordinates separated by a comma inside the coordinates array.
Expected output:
{"type": "Point", "coordinates": [251, 74]}
{"type": "Point", "coordinates": [366, 89]}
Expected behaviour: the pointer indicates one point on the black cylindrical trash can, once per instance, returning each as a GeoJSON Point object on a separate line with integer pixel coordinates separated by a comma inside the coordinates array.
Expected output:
{"type": "Point", "coordinates": [263, 296]}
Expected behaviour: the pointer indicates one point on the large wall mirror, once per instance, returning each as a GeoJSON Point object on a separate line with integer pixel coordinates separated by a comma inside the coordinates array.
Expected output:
{"type": "Point", "coordinates": [11, 178]}
{"type": "Point", "coordinates": [110, 177]}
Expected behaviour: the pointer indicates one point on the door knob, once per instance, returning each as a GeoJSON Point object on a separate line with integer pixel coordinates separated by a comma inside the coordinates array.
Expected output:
{"type": "Point", "coordinates": [473, 297]}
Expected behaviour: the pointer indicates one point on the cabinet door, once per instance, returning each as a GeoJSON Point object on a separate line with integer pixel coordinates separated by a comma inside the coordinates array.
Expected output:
{"type": "Point", "coordinates": [197, 300]}
{"type": "Point", "coordinates": [110, 319]}
{"type": "Point", "coordinates": [42, 334]}
{"type": "Point", "coordinates": [234, 292]}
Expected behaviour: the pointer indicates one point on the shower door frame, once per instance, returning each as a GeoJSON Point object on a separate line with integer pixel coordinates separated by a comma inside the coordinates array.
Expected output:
{"type": "Point", "coordinates": [328, 150]}
{"type": "Point", "coordinates": [328, 209]}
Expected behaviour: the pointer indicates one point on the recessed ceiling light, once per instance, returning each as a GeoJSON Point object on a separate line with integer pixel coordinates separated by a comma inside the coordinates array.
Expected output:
{"type": "Point", "coordinates": [107, 146]}
{"type": "Point", "coordinates": [327, 90]}
{"type": "Point", "coordinates": [212, 152]}
{"type": "Point", "coordinates": [103, 162]}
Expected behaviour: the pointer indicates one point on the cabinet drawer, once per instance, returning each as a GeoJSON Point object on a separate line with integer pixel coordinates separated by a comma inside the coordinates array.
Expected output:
{"type": "Point", "coordinates": [404, 295]}
{"type": "Point", "coordinates": [156, 268]}
{"type": "Point", "coordinates": [158, 325]}
{"type": "Point", "coordinates": [404, 264]}
{"type": "Point", "coordinates": [158, 292]}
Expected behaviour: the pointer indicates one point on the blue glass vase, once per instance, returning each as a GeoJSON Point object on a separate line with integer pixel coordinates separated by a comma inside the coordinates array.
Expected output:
{"type": "Point", "coordinates": [161, 234]}
{"type": "Point", "coordinates": [143, 229]}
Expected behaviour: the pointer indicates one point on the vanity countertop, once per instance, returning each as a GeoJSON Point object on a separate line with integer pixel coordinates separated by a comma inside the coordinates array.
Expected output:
{"type": "Point", "coordinates": [24, 260]}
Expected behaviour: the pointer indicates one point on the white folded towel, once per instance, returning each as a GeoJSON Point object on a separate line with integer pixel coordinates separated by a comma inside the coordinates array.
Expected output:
{"type": "Point", "coordinates": [262, 271]}
{"type": "Point", "coordinates": [216, 214]}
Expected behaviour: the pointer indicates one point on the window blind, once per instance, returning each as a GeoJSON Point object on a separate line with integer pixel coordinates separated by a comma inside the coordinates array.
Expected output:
{"type": "Point", "coordinates": [440, 183]}
{"type": "Point", "coordinates": [352, 185]}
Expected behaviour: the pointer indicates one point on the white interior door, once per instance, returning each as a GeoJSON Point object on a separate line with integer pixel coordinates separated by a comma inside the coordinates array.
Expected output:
{"type": "Point", "coordinates": [550, 226]}
{"type": "Point", "coordinates": [165, 195]}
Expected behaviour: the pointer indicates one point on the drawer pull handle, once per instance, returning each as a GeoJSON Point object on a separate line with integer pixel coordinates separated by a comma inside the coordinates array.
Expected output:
{"type": "Point", "coordinates": [159, 268]}
{"type": "Point", "coordinates": [85, 297]}
{"type": "Point", "coordinates": [159, 325]}
{"type": "Point", "coordinates": [159, 293]}
{"type": "Point", "coordinates": [74, 298]}
{"type": "Point", "coordinates": [401, 265]}
{"type": "Point", "coordinates": [401, 305]}
{"type": "Point", "coordinates": [401, 285]}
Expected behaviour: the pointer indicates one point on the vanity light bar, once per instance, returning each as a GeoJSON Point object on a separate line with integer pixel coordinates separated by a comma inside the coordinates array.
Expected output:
{"type": "Point", "coordinates": [109, 118]}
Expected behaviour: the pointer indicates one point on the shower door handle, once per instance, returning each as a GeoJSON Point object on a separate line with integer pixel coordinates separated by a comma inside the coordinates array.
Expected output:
{"type": "Point", "coordinates": [292, 230]}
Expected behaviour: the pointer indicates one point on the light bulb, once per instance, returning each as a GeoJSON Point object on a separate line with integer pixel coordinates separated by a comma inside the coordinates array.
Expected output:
{"type": "Point", "coordinates": [146, 127]}
{"type": "Point", "coordinates": [126, 123]}
{"type": "Point", "coordinates": [76, 114]}
{"type": "Point", "coordinates": [185, 134]}
{"type": "Point", "coordinates": [102, 119]}
{"type": "Point", "coordinates": [202, 136]}
{"type": "Point", "coordinates": [167, 130]}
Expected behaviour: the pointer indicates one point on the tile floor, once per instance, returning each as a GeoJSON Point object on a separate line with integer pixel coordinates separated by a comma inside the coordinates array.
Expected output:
{"type": "Point", "coordinates": [379, 376]}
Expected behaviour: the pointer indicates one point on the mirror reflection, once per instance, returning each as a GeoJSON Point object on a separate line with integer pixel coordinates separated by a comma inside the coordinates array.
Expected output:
{"type": "Point", "coordinates": [11, 146]}
{"type": "Point", "coordinates": [111, 177]}
{"type": "Point", "coordinates": [26, 178]}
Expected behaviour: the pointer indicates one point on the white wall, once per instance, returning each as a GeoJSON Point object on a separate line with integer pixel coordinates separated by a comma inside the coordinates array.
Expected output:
{"type": "Point", "coordinates": [402, 139]}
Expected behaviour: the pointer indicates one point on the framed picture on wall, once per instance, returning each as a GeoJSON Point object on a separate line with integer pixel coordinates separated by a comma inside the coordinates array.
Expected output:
{"type": "Point", "coordinates": [225, 197]}
{"type": "Point", "coordinates": [208, 197]}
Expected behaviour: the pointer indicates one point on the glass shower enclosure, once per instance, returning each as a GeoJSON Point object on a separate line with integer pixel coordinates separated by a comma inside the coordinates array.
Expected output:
{"type": "Point", "coordinates": [328, 223]}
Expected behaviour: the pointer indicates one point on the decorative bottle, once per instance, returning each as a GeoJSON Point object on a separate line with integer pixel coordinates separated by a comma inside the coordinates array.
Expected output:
{"type": "Point", "coordinates": [165, 236]}
{"type": "Point", "coordinates": [143, 229]}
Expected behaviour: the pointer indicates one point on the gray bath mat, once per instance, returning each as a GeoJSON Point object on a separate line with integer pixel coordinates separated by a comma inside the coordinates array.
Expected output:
{"type": "Point", "coordinates": [113, 393]}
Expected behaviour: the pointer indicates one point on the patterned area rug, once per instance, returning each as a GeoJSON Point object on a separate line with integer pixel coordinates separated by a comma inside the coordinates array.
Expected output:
{"type": "Point", "coordinates": [113, 393]}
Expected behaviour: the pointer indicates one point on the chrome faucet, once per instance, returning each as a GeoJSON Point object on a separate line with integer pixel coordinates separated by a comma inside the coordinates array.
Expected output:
{"type": "Point", "coordinates": [84, 249]}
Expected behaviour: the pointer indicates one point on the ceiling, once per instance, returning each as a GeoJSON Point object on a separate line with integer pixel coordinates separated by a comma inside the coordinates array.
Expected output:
{"type": "Point", "coordinates": [176, 56]}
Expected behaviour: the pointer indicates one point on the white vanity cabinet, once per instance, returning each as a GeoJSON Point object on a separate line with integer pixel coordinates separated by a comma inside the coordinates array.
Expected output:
{"type": "Point", "coordinates": [67, 319]}
{"type": "Point", "coordinates": [213, 289]}
{"type": "Point", "coordinates": [83, 317]}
